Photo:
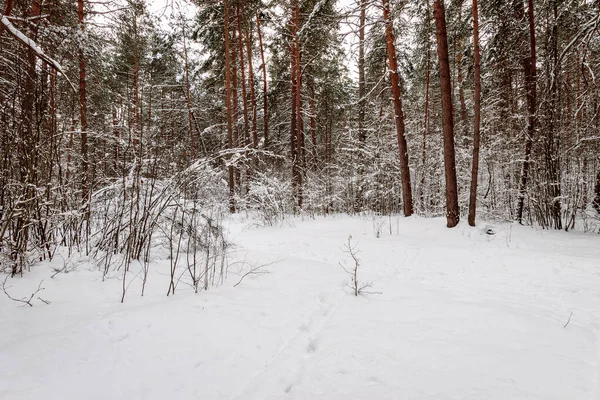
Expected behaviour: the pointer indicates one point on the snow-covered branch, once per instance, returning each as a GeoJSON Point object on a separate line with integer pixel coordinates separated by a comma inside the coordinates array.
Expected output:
{"type": "Point", "coordinates": [17, 34]}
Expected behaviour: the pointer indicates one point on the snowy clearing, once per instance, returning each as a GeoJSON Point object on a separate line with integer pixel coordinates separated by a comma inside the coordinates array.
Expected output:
{"type": "Point", "coordinates": [460, 314]}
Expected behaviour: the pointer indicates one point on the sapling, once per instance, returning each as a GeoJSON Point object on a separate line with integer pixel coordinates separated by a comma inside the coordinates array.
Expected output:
{"type": "Point", "coordinates": [352, 250]}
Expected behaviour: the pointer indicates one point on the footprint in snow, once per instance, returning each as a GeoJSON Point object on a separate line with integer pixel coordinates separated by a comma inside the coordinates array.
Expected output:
{"type": "Point", "coordinates": [312, 346]}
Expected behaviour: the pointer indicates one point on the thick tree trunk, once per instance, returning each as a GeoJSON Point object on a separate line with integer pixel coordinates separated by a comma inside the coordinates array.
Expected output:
{"type": "Point", "coordinates": [398, 113]}
{"type": "Point", "coordinates": [296, 136]}
{"type": "Point", "coordinates": [27, 153]}
{"type": "Point", "coordinates": [300, 154]}
{"type": "Point", "coordinates": [452, 210]}
{"type": "Point", "coordinates": [552, 138]}
{"type": "Point", "coordinates": [476, 117]}
{"type": "Point", "coordinates": [426, 120]}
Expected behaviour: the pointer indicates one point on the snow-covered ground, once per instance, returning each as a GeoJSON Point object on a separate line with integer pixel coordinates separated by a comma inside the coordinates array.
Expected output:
{"type": "Point", "coordinates": [460, 314]}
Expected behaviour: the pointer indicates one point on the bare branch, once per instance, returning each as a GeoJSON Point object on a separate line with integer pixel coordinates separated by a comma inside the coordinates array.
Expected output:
{"type": "Point", "coordinates": [23, 300]}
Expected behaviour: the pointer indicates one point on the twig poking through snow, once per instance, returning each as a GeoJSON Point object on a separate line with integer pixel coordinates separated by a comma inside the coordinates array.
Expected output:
{"type": "Point", "coordinates": [568, 320]}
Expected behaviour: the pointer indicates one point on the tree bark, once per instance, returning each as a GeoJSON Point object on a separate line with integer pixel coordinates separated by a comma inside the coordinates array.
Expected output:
{"type": "Point", "coordinates": [398, 113]}
{"type": "Point", "coordinates": [476, 117]}
{"type": "Point", "coordinates": [251, 83]}
{"type": "Point", "coordinates": [313, 122]}
{"type": "Point", "coordinates": [426, 121]}
{"type": "Point", "coordinates": [300, 153]}
{"type": "Point", "coordinates": [83, 114]}
{"type": "Point", "coordinates": [530, 68]}
{"type": "Point", "coordinates": [459, 68]}
{"type": "Point", "coordinates": [243, 78]}
{"type": "Point", "coordinates": [362, 136]}
{"type": "Point", "coordinates": [228, 103]}
{"type": "Point", "coordinates": [452, 210]}
{"type": "Point", "coordinates": [265, 100]}
{"type": "Point", "coordinates": [188, 101]}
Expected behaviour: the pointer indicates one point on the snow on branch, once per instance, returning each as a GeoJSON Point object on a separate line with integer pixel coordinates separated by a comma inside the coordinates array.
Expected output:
{"type": "Point", "coordinates": [314, 12]}
{"type": "Point", "coordinates": [33, 46]}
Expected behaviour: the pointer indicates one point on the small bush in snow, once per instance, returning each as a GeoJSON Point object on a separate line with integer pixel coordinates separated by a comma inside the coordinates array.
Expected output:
{"type": "Point", "coordinates": [270, 197]}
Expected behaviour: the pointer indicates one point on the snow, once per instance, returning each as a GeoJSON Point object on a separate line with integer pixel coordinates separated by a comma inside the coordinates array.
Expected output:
{"type": "Point", "coordinates": [461, 314]}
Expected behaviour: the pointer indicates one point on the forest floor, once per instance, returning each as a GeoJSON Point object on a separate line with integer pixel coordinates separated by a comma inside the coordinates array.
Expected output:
{"type": "Point", "coordinates": [458, 314]}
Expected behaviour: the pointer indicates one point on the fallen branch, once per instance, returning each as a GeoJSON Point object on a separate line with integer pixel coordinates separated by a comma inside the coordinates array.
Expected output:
{"type": "Point", "coordinates": [24, 300]}
{"type": "Point", "coordinates": [256, 271]}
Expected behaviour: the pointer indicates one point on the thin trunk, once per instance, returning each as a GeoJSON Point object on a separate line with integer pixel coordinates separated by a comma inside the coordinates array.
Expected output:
{"type": "Point", "coordinates": [399, 115]}
{"type": "Point", "coordinates": [237, 140]}
{"type": "Point", "coordinates": [243, 78]}
{"type": "Point", "coordinates": [228, 103]}
{"type": "Point", "coordinates": [83, 114]}
{"type": "Point", "coordinates": [476, 117]}
{"type": "Point", "coordinates": [7, 11]}
{"type": "Point", "coordinates": [264, 69]}
{"type": "Point", "coordinates": [529, 64]}
{"type": "Point", "coordinates": [552, 155]}
{"type": "Point", "coordinates": [116, 136]}
{"type": "Point", "coordinates": [362, 136]}
{"type": "Point", "coordinates": [293, 119]}
{"type": "Point", "coordinates": [313, 122]}
{"type": "Point", "coordinates": [137, 145]}
{"type": "Point", "coordinates": [188, 101]}
{"type": "Point", "coordinates": [452, 210]}
{"type": "Point", "coordinates": [460, 77]}
{"type": "Point", "coordinates": [251, 83]}
{"type": "Point", "coordinates": [294, 106]}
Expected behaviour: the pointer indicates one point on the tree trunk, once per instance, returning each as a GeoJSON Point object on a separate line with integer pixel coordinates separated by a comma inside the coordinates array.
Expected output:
{"type": "Point", "coordinates": [362, 136]}
{"type": "Point", "coordinates": [296, 117]}
{"type": "Point", "coordinates": [293, 122]}
{"type": "Point", "coordinates": [83, 114]}
{"type": "Point", "coordinates": [243, 79]}
{"type": "Point", "coordinates": [476, 117]}
{"type": "Point", "coordinates": [188, 101]}
{"type": "Point", "coordinates": [530, 68]}
{"type": "Point", "coordinates": [300, 154]}
{"type": "Point", "coordinates": [398, 113]}
{"type": "Point", "coordinates": [251, 83]}
{"type": "Point", "coordinates": [452, 210]}
{"type": "Point", "coordinates": [228, 103]}
{"type": "Point", "coordinates": [426, 121]}
{"type": "Point", "coordinates": [264, 69]}
{"type": "Point", "coordinates": [313, 122]}
{"type": "Point", "coordinates": [459, 68]}
{"type": "Point", "coordinates": [237, 140]}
